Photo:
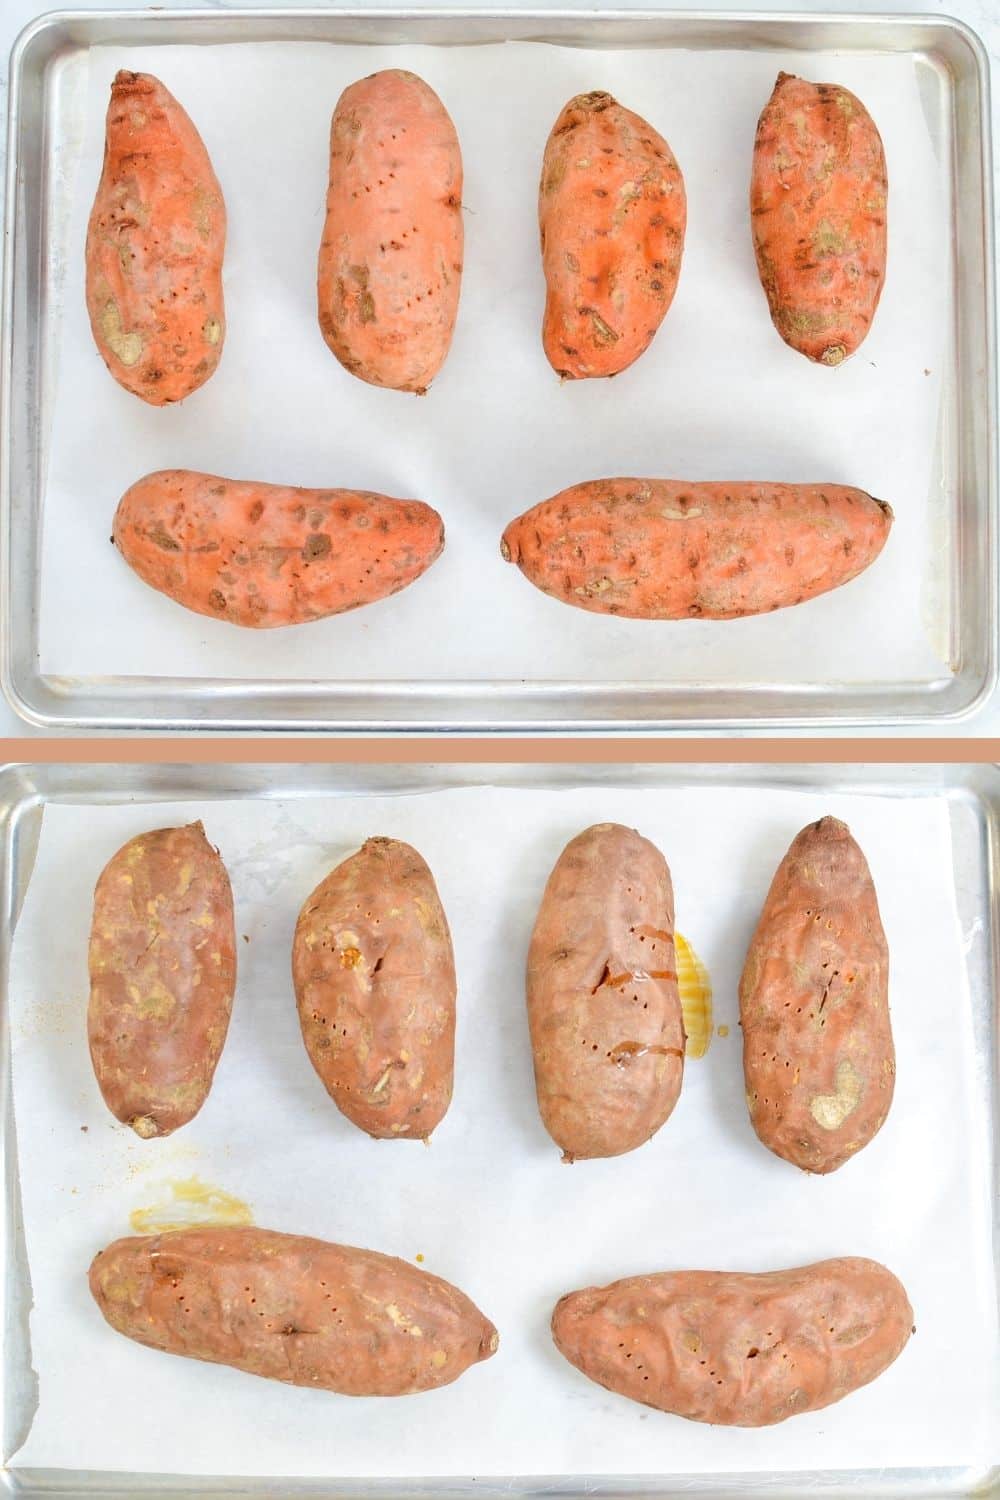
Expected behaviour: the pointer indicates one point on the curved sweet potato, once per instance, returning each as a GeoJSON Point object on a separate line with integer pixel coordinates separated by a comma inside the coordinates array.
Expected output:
{"type": "Point", "coordinates": [738, 1349]}
{"type": "Point", "coordinates": [663, 549]}
{"type": "Point", "coordinates": [612, 213]}
{"type": "Point", "coordinates": [818, 1054]}
{"type": "Point", "coordinates": [374, 978]}
{"type": "Point", "coordinates": [162, 976]}
{"type": "Point", "coordinates": [155, 242]}
{"type": "Point", "coordinates": [267, 554]}
{"type": "Point", "coordinates": [291, 1308]}
{"type": "Point", "coordinates": [818, 214]}
{"type": "Point", "coordinates": [607, 1032]}
{"type": "Point", "coordinates": [390, 261]}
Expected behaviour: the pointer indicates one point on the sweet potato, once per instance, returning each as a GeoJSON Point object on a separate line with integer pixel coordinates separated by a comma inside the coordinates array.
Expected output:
{"type": "Point", "coordinates": [738, 1349]}
{"type": "Point", "coordinates": [162, 976]}
{"type": "Point", "coordinates": [607, 1032]}
{"type": "Point", "coordinates": [612, 213]}
{"type": "Point", "coordinates": [390, 261]}
{"type": "Point", "coordinates": [664, 549]}
{"type": "Point", "coordinates": [814, 1005]}
{"type": "Point", "coordinates": [818, 215]}
{"type": "Point", "coordinates": [374, 978]}
{"type": "Point", "coordinates": [264, 555]}
{"type": "Point", "coordinates": [291, 1308]}
{"type": "Point", "coordinates": [155, 242]}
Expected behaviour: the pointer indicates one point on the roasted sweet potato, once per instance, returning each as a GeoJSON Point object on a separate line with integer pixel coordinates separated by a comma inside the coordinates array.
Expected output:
{"type": "Point", "coordinates": [818, 214]}
{"type": "Point", "coordinates": [155, 242]}
{"type": "Point", "coordinates": [612, 213]}
{"type": "Point", "coordinates": [607, 1032]}
{"type": "Point", "coordinates": [162, 976]}
{"type": "Point", "coordinates": [269, 554]}
{"type": "Point", "coordinates": [738, 1349]}
{"type": "Point", "coordinates": [814, 1005]}
{"type": "Point", "coordinates": [390, 261]}
{"type": "Point", "coordinates": [374, 978]}
{"type": "Point", "coordinates": [291, 1308]}
{"type": "Point", "coordinates": [664, 549]}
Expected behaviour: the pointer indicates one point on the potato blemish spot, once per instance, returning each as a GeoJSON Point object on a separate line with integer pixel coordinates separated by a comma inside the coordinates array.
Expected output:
{"type": "Point", "coordinates": [831, 1110]}
{"type": "Point", "coordinates": [124, 346]}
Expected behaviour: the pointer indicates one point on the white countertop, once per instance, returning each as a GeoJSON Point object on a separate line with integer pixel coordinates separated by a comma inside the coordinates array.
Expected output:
{"type": "Point", "coordinates": [982, 15]}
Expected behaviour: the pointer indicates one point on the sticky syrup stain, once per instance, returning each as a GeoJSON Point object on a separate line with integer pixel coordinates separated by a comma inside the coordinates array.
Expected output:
{"type": "Point", "coordinates": [187, 1202]}
{"type": "Point", "coordinates": [695, 989]}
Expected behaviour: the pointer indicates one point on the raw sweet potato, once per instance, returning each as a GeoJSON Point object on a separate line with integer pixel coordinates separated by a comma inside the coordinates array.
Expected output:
{"type": "Point", "coordinates": [162, 976]}
{"type": "Point", "coordinates": [738, 1349]}
{"type": "Point", "coordinates": [291, 1308]}
{"type": "Point", "coordinates": [818, 215]}
{"type": "Point", "coordinates": [607, 1032]}
{"type": "Point", "coordinates": [268, 554]}
{"type": "Point", "coordinates": [612, 213]}
{"type": "Point", "coordinates": [390, 261]}
{"type": "Point", "coordinates": [663, 549]}
{"type": "Point", "coordinates": [155, 243]}
{"type": "Point", "coordinates": [374, 979]}
{"type": "Point", "coordinates": [814, 1005]}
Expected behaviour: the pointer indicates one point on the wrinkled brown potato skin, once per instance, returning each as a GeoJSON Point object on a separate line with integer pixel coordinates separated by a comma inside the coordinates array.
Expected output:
{"type": "Point", "coordinates": [612, 214]}
{"type": "Point", "coordinates": [814, 1005]}
{"type": "Point", "coordinates": [390, 262]}
{"type": "Point", "coordinates": [291, 1308]}
{"type": "Point", "coordinates": [738, 1349]}
{"type": "Point", "coordinates": [155, 243]}
{"type": "Point", "coordinates": [604, 1012]}
{"type": "Point", "coordinates": [374, 979]}
{"type": "Point", "coordinates": [162, 976]}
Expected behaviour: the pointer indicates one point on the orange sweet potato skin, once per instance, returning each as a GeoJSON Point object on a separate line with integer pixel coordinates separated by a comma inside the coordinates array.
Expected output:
{"type": "Point", "coordinates": [264, 555]}
{"type": "Point", "coordinates": [612, 213]}
{"type": "Point", "coordinates": [818, 1054]}
{"type": "Point", "coordinates": [664, 549]}
{"type": "Point", "coordinates": [607, 1033]}
{"type": "Point", "coordinates": [155, 242]}
{"type": "Point", "coordinates": [162, 976]}
{"type": "Point", "coordinates": [390, 261]}
{"type": "Point", "coordinates": [291, 1308]}
{"type": "Point", "coordinates": [818, 195]}
{"type": "Point", "coordinates": [738, 1349]}
{"type": "Point", "coordinates": [374, 977]}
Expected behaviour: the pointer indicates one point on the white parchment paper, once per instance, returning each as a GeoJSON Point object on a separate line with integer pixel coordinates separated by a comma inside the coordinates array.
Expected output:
{"type": "Point", "coordinates": [718, 395]}
{"type": "Point", "coordinates": [489, 1204]}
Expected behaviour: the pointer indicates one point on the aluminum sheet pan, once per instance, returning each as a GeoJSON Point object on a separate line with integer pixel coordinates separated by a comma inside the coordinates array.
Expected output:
{"type": "Point", "coordinates": [472, 646]}
{"type": "Point", "coordinates": [972, 798]}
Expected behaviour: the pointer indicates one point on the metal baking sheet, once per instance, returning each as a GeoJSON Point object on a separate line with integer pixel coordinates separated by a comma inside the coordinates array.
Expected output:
{"type": "Point", "coordinates": [971, 797]}
{"type": "Point", "coordinates": [677, 677]}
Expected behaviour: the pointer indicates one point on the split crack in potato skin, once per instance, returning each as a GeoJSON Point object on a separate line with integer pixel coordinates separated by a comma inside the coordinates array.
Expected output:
{"type": "Point", "coordinates": [818, 1053]}
{"type": "Point", "coordinates": [374, 977]}
{"type": "Point", "coordinates": [818, 197]}
{"type": "Point", "coordinates": [667, 549]}
{"type": "Point", "coordinates": [266, 555]}
{"type": "Point", "coordinates": [291, 1308]}
{"type": "Point", "coordinates": [612, 214]}
{"type": "Point", "coordinates": [155, 244]}
{"type": "Point", "coordinates": [162, 965]}
{"type": "Point", "coordinates": [604, 1013]}
{"type": "Point", "coordinates": [390, 259]}
{"type": "Point", "coordinates": [736, 1348]}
